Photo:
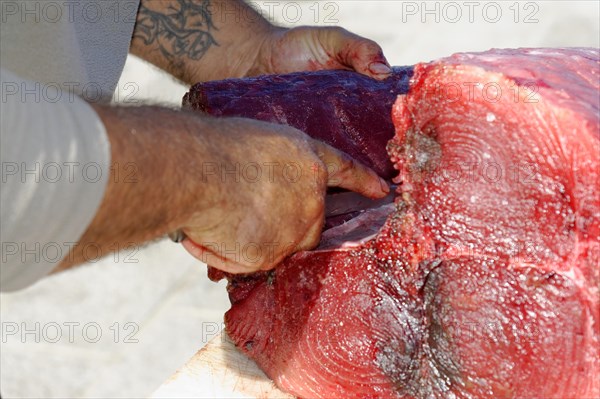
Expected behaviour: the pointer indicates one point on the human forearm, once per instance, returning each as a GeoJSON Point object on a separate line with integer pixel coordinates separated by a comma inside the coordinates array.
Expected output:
{"type": "Point", "coordinates": [149, 192]}
{"type": "Point", "coordinates": [199, 40]}
{"type": "Point", "coordinates": [189, 176]}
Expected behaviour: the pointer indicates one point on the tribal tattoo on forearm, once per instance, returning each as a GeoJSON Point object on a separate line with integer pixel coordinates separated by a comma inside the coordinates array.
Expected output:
{"type": "Point", "coordinates": [183, 29]}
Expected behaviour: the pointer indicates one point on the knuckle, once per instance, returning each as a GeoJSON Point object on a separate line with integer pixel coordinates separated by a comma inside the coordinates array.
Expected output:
{"type": "Point", "coordinates": [347, 163]}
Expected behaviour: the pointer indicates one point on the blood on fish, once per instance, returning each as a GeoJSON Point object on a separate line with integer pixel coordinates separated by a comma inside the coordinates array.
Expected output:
{"type": "Point", "coordinates": [482, 280]}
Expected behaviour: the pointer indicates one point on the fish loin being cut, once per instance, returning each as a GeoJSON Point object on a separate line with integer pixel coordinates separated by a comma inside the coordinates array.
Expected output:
{"type": "Point", "coordinates": [336, 107]}
{"type": "Point", "coordinates": [481, 280]}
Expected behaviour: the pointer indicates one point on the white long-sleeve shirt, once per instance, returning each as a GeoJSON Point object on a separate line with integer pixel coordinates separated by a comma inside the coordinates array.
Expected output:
{"type": "Point", "coordinates": [55, 154]}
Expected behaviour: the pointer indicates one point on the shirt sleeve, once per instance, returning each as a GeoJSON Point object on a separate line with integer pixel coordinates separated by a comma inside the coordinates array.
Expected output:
{"type": "Point", "coordinates": [55, 157]}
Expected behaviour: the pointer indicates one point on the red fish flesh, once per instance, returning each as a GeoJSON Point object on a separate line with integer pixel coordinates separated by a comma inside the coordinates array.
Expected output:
{"type": "Point", "coordinates": [482, 279]}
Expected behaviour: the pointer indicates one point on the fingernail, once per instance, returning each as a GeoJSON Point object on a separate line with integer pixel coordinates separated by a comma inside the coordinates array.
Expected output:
{"type": "Point", "coordinates": [384, 186]}
{"type": "Point", "coordinates": [379, 68]}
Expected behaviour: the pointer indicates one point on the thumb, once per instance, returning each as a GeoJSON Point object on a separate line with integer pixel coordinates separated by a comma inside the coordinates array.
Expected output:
{"type": "Point", "coordinates": [356, 52]}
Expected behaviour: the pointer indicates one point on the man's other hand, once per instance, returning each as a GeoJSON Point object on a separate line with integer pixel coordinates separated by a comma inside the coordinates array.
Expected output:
{"type": "Point", "coordinates": [315, 48]}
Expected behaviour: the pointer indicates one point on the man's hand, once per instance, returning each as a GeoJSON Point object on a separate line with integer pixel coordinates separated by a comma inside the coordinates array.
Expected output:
{"type": "Point", "coordinates": [248, 193]}
{"type": "Point", "coordinates": [315, 48]}
{"type": "Point", "coordinates": [272, 199]}
{"type": "Point", "coordinates": [202, 40]}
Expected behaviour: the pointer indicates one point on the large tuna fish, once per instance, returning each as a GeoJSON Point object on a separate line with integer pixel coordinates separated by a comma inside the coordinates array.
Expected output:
{"type": "Point", "coordinates": [482, 279]}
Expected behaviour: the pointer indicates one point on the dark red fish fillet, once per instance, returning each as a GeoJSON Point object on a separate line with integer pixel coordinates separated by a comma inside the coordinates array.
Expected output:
{"type": "Point", "coordinates": [482, 280]}
{"type": "Point", "coordinates": [344, 109]}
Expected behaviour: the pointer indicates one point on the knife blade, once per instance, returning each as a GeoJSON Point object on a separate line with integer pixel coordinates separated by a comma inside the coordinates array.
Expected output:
{"type": "Point", "coordinates": [335, 205]}
{"type": "Point", "coordinates": [348, 202]}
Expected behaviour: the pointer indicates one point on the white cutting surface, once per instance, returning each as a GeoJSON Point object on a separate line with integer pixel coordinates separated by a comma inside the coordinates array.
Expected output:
{"type": "Point", "coordinates": [219, 370]}
{"type": "Point", "coordinates": [165, 292]}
